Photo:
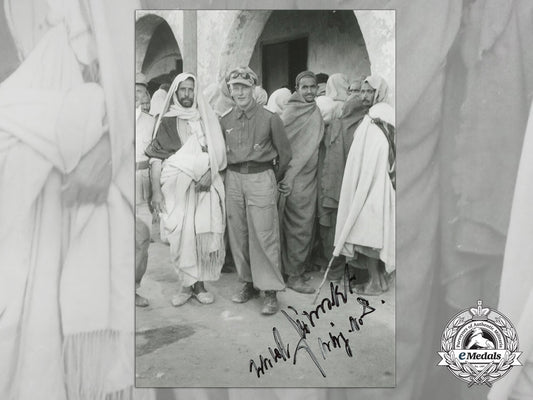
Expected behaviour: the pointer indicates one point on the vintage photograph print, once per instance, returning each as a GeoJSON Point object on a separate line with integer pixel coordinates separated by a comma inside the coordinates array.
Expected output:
{"type": "Point", "coordinates": [265, 198]}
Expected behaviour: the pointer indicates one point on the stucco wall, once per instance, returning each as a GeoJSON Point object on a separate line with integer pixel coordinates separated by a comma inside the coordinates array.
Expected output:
{"type": "Point", "coordinates": [213, 27]}
{"type": "Point", "coordinates": [241, 38]}
{"type": "Point", "coordinates": [228, 38]}
{"type": "Point", "coordinates": [379, 33]}
{"type": "Point", "coordinates": [335, 41]}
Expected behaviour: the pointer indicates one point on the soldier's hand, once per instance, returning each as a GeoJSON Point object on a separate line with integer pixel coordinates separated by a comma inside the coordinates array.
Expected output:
{"type": "Point", "coordinates": [158, 203]}
{"type": "Point", "coordinates": [204, 184]}
{"type": "Point", "coordinates": [285, 187]}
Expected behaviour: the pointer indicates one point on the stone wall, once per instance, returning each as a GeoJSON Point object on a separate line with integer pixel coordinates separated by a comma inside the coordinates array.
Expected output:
{"type": "Point", "coordinates": [378, 29]}
{"type": "Point", "coordinates": [213, 28]}
{"type": "Point", "coordinates": [338, 42]}
{"type": "Point", "coordinates": [335, 42]}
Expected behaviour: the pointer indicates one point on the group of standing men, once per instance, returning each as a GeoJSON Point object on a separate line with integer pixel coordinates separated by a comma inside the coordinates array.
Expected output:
{"type": "Point", "coordinates": [255, 174]}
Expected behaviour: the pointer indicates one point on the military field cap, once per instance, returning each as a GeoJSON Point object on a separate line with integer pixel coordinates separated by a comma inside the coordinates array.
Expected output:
{"type": "Point", "coordinates": [243, 75]}
{"type": "Point", "coordinates": [140, 79]}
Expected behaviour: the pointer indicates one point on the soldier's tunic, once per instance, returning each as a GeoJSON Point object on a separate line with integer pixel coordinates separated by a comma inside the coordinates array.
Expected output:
{"type": "Point", "coordinates": [254, 138]}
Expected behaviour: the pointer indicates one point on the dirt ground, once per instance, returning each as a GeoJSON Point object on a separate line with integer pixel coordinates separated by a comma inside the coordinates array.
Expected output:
{"type": "Point", "coordinates": [199, 345]}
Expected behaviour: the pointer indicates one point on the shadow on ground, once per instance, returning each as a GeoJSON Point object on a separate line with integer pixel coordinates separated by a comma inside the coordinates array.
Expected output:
{"type": "Point", "coordinates": [153, 339]}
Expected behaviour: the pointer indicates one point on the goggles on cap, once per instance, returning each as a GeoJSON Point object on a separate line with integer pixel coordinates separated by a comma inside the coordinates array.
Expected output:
{"type": "Point", "coordinates": [242, 74]}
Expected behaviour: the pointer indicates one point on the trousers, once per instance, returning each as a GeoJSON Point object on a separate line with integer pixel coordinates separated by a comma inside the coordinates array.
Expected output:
{"type": "Point", "coordinates": [253, 228]}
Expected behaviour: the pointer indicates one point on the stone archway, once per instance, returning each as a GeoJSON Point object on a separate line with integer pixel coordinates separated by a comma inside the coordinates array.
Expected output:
{"type": "Point", "coordinates": [146, 24]}
{"type": "Point", "coordinates": [377, 28]}
{"type": "Point", "coordinates": [240, 40]}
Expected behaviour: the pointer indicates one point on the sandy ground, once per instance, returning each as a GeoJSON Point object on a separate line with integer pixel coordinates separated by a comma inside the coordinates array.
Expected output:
{"type": "Point", "coordinates": [212, 345]}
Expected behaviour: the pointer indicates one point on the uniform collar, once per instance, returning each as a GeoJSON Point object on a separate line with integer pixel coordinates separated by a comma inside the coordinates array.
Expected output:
{"type": "Point", "coordinates": [249, 112]}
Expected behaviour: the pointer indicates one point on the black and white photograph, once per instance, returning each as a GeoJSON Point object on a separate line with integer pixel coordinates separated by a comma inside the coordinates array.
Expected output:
{"type": "Point", "coordinates": [265, 198]}
{"type": "Point", "coordinates": [120, 284]}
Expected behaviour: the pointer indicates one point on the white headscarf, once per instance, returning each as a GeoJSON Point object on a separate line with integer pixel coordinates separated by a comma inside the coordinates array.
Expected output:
{"type": "Point", "coordinates": [260, 96]}
{"type": "Point", "coordinates": [381, 87]}
{"type": "Point", "coordinates": [337, 87]}
{"type": "Point", "coordinates": [278, 100]}
{"type": "Point", "coordinates": [176, 109]}
{"type": "Point", "coordinates": [199, 114]}
{"type": "Point", "coordinates": [157, 102]}
{"type": "Point", "coordinates": [211, 93]}
{"type": "Point", "coordinates": [384, 112]}
{"type": "Point", "coordinates": [327, 107]}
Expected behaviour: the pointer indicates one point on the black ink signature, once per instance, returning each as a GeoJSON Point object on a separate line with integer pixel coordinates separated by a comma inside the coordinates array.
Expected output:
{"type": "Point", "coordinates": [282, 353]}
{"type": "Point", "coordinates": [334, 341]}
{"type": "Point", "coordinates": [356, 323]}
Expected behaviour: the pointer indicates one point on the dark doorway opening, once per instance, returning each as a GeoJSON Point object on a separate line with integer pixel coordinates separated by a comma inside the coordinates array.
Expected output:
{"type": "Point", "coordinates": [154, 83]}
{"type": "Point", "coordinates": [162, 61]}
{"type": "Point", "coordinates": [282, 62]}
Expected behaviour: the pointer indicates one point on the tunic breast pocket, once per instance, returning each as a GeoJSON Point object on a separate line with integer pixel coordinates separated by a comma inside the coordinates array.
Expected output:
{"type": "Point", "coordinates": [233, 138]}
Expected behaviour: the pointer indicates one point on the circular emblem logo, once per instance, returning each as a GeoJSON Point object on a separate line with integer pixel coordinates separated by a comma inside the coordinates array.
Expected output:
{"type": "Point", "coordinates": [479, 346]}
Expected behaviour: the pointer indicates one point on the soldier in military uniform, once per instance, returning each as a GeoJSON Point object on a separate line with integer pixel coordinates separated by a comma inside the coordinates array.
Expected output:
{"type": "Point", "coordinates": [255, 139]}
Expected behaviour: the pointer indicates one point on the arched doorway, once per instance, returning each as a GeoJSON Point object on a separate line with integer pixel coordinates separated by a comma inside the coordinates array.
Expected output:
{"type": "Point", "coordinates": [336, 42]}
{"type": "Point", "coordinates": [318, 40]}
{"type": "Point", "coordinates": [158, 54]}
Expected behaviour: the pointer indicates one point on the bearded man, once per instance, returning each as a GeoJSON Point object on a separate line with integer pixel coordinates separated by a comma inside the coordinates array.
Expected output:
{"type": "Point", "coordinates": [187, 154]}
{"type": "Point", "coordinates": [365, 227]}
{"type": "Point", "coordinates": [334, 151]}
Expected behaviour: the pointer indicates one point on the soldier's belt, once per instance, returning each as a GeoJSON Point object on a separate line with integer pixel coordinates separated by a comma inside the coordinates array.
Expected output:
{"type": "Point", "coordinates": [250, 167]}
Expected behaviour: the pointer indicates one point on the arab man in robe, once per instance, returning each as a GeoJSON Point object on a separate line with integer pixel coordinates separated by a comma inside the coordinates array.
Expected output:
{"type": "Point", "coordinates": [187, 155]}
{"type": "Point", "coordinates": [305, 129]}
{"type": "Point", "coordinates": [365, 228]}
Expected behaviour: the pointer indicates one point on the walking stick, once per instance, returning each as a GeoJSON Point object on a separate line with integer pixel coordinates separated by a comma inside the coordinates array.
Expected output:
{"type": "Point", "coordinates": [324, 278]}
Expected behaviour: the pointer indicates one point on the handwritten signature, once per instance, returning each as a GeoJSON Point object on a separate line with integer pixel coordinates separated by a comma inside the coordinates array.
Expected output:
{"type": "Point", "coordinates": [282, 353]}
